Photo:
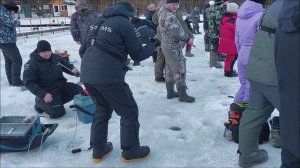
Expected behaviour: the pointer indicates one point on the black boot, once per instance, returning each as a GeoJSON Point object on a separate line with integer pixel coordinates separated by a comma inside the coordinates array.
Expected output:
{"type": "Point", "coordinates": [135, 154]}
{"type": "Point", "coordinates": [97, 158]}
{"type": "Point", "coordinates": [170, 90]}
{"type": "Point", "coordinates": [183, 95]}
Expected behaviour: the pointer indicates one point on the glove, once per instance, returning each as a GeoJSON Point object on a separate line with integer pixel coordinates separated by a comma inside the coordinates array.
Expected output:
{"type": "Point", "coordinates": [155, 41]}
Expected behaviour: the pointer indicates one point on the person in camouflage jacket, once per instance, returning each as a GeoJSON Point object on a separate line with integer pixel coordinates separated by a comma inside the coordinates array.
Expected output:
{"type": "Point", "coordinates": [80, 22]}
{"type": "Point", "coordinates": [214, 21]}
{"type": "Point", "coordinates": [173, 40]}
{"type": "Point", "coordinates": [8, 39]}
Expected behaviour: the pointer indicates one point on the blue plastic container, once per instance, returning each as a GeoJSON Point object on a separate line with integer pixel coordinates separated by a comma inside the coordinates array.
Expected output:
{"type": "Point", "coordinates": [87, 104]}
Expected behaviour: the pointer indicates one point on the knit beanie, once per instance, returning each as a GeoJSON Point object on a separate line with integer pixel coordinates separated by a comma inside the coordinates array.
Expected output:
{"type": "Point", "coordinates": [172, 1]}
{"type": "Point", "coordinates": [232, 7]}
{"type": "Point", "coordinates": [211, 2]}
{"type": "Point", "coordinates": [11, 6]}
{"type": "Point", "coordinates": [42, 46]}
{"type": "Point", "coordinates": [128, 7]}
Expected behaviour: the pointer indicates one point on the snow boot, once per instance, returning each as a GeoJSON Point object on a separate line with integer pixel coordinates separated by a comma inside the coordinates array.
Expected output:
{"type": "Point", "coordinates": [98, 158]}
{"type": "Point", "coordinates": [257, 157]}
{"type": "Point", "coordinates": [170, 90]}
{"type": "Point", "coordinates": [188, 54]}
{"type": "Point", "coordinates": [230, 74]}
{"type": "Point", "coordinates": [275, 132]}
{"type": "Point", "coordinates": [213, 62]}
{"type": "Point", "coordinates": [134, 154]}
{"type": "Point", "coordinates": [183, 96]}
{"type": "Point", "coordinates": [160, 79]}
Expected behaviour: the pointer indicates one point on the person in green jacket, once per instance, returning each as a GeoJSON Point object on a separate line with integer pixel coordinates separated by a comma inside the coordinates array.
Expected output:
{"type": "Point", "coordinates": [264, 90]}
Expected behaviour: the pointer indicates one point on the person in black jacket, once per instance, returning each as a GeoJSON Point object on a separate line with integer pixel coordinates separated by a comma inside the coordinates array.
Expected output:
{"type": "Point", "coordinates": [43, 76]}
{"type": "Point", "coordinates": [110, 39]}
{"type": "Point", "coordinates": [145, 30]}
{"type": "Point", "coordinates": [287, 54]}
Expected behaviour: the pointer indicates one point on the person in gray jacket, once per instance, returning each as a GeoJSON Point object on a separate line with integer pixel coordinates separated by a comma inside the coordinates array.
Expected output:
{"type": "Point", "coordinates": [287, 61]}
{"type": "Point", "coordinates": [173, 40]}
{"type": "Point", "coordinates": [80, 22]}
{"type": "Point", "coordinates": [264, 91]}
{"type": "Point", "coordinates": [195, 20]}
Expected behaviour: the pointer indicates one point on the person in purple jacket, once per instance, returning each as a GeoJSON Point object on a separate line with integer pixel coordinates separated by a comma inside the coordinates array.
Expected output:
{"type": "Point", "coordinates": [247, 24]}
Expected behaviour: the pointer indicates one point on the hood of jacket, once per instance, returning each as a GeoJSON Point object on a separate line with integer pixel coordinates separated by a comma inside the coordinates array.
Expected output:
{"type": "Point", "coordinates": [249, 9]}
{"type": "Point", "coordinates": [116, 10]}
{"type": "Point", "coordinates": [35, 56]}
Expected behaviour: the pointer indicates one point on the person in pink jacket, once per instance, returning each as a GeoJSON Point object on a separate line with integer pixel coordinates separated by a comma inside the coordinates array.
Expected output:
{"type": "Point", "coordinates": [227, 34]}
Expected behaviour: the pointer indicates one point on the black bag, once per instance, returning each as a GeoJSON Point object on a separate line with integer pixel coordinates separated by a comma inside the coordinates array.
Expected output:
{"type": "Point", "coordinates": [232, 126]}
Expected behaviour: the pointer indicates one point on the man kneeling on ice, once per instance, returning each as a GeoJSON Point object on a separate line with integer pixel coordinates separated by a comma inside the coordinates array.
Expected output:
{"type": "Point", "coordinates": [43, 76]}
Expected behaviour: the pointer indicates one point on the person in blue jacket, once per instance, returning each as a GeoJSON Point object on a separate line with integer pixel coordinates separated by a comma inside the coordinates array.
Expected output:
{"type": "Point", "coordinates": [8, 38]}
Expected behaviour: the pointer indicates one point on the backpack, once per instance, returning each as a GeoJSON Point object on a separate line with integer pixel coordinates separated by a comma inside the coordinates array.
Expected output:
{"type": "Point", "coordinates": [20, 133]}
{"type": "Point", "coordinates": [232, 126]}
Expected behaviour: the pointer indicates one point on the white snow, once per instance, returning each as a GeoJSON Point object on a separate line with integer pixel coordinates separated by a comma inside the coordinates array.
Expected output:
{"type": "Point", "coordinates": [200, 143]}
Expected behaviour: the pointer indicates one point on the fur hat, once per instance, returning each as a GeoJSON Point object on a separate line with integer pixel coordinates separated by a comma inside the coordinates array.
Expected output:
{"type": "Point", "coordinates": [232, 7]}
{"type": "Point", "coordinates": [11, 6]}
{"type": "Point", "coordinates": [172, 1]}
{"type": "Point", "coordinates": [42, 46]}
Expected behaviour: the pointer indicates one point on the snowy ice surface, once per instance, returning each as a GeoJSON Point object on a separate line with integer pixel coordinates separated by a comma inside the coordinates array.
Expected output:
{"type": "Point", "coordinates": [200, 142]}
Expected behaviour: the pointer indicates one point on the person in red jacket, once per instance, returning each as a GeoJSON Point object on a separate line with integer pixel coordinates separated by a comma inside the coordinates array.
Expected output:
{"type": "Point", "coordinates": [227, 34]}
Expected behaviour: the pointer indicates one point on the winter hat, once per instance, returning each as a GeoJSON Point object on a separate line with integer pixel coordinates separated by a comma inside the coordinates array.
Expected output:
{"type": "Point", "coordinates": [80, 4]}
{"type": "Point", "coordinates": [211, 2]}
{"type": "Point", "coordinates": [128, 7]}
{"type": "Point", "coordinates": [11, 6]}
{"type": "Point", "coordinates": [232, 7]}
{"type": "Point", "coordinates": [219, 2]}
{"type": "Point", "coordinates": [260, 1]}
{"type": "Point", "coordinates": [172, 1]}
{"type": "Point", "coordinates": [42, 46]}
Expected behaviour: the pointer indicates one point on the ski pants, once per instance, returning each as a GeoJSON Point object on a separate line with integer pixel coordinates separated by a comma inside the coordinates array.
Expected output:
{"type": "Point", "coordinates": [229, 62]}
{"type": "Point", "coordinates": [55, 109]}
{"type": "Point", "coordinates": [262, 102]}
{"type": "Point", "coordinates": [13, 63]}
{"type": "Point", "coordinates": [108, 98]}
{"type": "Point", "coordinates": [159, 64]}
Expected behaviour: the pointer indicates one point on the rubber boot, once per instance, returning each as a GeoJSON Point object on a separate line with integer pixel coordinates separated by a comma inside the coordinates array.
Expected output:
{"type": "Point", "coordinates": [257, 157]}
{"type": "Point", "coordinates": [170, 90]}
{"type": "Point", "coordinates": [183, 96]}
{"type": "Point", "coordinates": [188, 54]}
{"type": "Point", "coordinates": [213, 62]}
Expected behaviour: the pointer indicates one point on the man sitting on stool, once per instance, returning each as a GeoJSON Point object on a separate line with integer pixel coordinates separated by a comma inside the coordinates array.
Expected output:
{"type": "Point", "coordinates": [43, 76]}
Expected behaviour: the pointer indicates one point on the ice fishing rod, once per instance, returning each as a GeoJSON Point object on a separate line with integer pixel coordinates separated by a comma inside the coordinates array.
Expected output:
{"type": "Point", "coordinates": [77, 75]}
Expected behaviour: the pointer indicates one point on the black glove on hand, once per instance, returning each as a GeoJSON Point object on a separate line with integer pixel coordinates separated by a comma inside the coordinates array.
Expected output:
{"type": "Point", "coordinates": [155, 41]}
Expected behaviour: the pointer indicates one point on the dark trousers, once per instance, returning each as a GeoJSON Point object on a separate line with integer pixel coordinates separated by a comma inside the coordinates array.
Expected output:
{"type": "Point", "coordinates": [196, 28]}
{"type": "Point", "coordinates": [13, 63]}
{"type": "Point", "coordinates": [56, 109]}
{"type": "Point", "coordinates": [263, 99]}
{"type": "Point", "coordinates": [288, 73]}
{"type": "Point", "coordinates": [289, 160]}
{"type": "Point", "coordinates": [160, 64]}
{"type": "Point", "coordinates": [117, 97]}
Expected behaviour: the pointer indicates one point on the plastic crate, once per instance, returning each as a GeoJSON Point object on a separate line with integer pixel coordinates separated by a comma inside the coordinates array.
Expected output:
{"type": "Point", "coordinates": [86, 103]}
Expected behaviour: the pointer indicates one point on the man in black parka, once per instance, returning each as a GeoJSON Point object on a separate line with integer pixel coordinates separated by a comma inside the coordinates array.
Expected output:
{"type": "Point", "coordinates": [287, 54]}
{"type": "Point", "coordinates": [43, 76]}
{"type": "Point", "coordinates": [103, 72]}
